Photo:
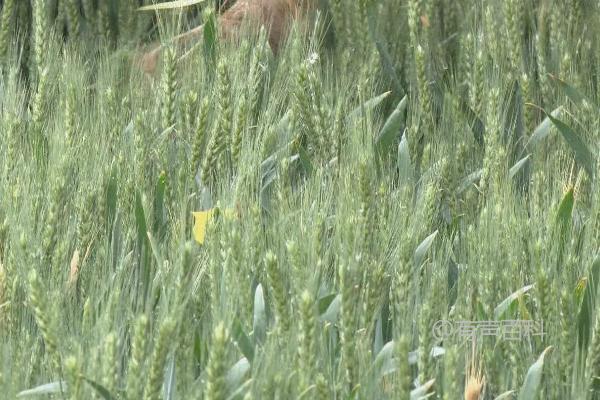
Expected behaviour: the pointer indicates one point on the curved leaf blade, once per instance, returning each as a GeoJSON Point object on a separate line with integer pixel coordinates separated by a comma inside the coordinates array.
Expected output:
{"type": "Point", "coordinates": [531, 386]}
{"type": "Point", "coordinates": [47, 388]}
{"type": "Point", "coordinates": [333, 310]}
{"type": "Point", "coordinates": [237, 373]}
{"type": "Point", "coordinates": [585, 319]}
{"type": "Point", "coordinates": [543, 129]}
{"type": "Point", "coordinates": [405, 169]}
{"type": "Point", "coordinates": [423, 248]}
{"type": "Point", "coordinates": [324, 302]}
{"type": "Point", "coordinates": [391, 128]}
{"type": "Point", "coordinates": [572, 92]}
{"type": "Point", "coordinates": [101, 390]}
{"type": "Point", "coordinates": [501, 309]}
{"type": "Point", "coordinates": [422, 391]}
{"type": "Point", "coordinates": [514, 170]}
{"type": "Point", "coordinates": [368, 105]}
{"type": "Point", "coordinates": [469, 181]}
{"type": "Point", "coordinates": [583, 155]}
{"type": "Point", "coordinates": [505, 395]}
{"type": "Point", "coordinates": [385, 362]}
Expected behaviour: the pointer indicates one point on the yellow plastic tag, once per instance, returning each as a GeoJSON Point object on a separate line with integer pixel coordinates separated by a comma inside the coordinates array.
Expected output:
{"type": "Point", "coordinates": [201, 219]}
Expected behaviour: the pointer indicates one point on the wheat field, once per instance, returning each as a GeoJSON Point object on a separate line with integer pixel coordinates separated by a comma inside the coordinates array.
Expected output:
{"type": "Point", "coordinates": [401, 202]}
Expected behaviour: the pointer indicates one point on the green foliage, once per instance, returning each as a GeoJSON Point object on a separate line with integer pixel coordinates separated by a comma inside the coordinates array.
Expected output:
{"type": "Point", "coordinates": [531, 386]}
{"type": "Point", "coordinates": [406, 174]}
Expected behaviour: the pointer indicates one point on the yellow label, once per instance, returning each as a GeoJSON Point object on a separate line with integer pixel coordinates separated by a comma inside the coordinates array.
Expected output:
{"type": "Point", "coordinates": [201, 219]}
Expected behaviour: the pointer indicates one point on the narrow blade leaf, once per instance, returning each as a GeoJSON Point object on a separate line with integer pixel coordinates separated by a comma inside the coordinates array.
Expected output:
{"type": "Point", "coordinates": [101, 390]}
{"type": "Point", "coordinates": [237, 373]}
{"type": "Point", "coordinates": [405, 168]}
{"type": "Point", "coordinates": [543, 129]}
{"type": "Point", "coordinates": [583, 155]}
{"type": "Point", "coordinates": [572, 92]}
{"type": "Point", "coordinates": [422, 249]}
{"type": "Point", "coordinates": [469, 181]}
{"type": "Point", "coordinates": [585, 318]}
{"type": "Point", "coordinates": [422, 390]}
{"type": "Point", "coordinates": [531, 386]}
{"type": "Point", "coordinates": [501, 309]}
{"type": "Point", "coordinates": [47, 388]}
{"type": "Point", "coordinates": [391, 129]}
{"type": "Point", "coordinates": [505, 395]}
{"type": "Point", "coordinates": [324, 302]}
{"type": "Point", "coordinates": [333, 310]}
{"type": "Point", "coordinates": [514, 170]}
{"type": "Point", "coordinates": [368, 105]}
{"type": "Point", "coordinates": [384, 361]}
